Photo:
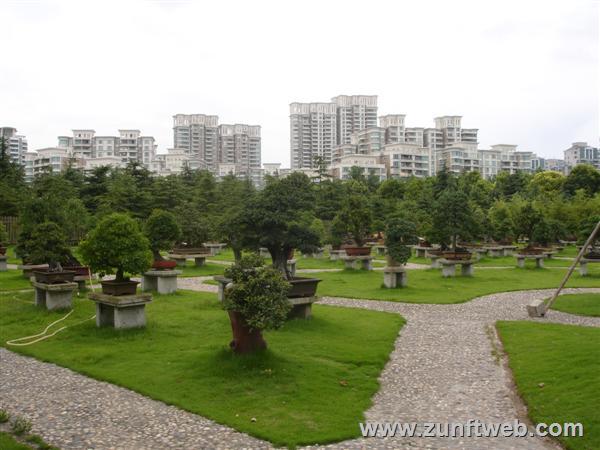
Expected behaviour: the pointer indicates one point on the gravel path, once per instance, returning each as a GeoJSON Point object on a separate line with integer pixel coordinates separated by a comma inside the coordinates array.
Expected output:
{"type": "Point", "coordinates": [442, 370]}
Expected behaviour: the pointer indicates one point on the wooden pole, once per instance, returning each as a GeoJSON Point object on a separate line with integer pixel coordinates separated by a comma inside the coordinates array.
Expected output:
{"type": "Point", "coordinates": [572, 268]}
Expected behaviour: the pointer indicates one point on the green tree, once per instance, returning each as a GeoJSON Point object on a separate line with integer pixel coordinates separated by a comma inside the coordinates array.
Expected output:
{"type": "Point", "coordinates": [452, 218]}
{"type": "Point", "coordinates": [526, 219]}
{"type": "Point", "coordinates": [162, 230]}
{"type": "Point", "coordinates": [501, 221]}
{"type": "Point", "coordinates": [399, 234]}
{"type": "Point", "coordinates": [47, 245]}
{"type": "Point", "coordinates": [355, 217]}
{"type": "Point", "coordinates": [583, 176]}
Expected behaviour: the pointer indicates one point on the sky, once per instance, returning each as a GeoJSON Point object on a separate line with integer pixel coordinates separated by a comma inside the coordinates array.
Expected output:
{"type": "Point", "coordinates": [522, 72]}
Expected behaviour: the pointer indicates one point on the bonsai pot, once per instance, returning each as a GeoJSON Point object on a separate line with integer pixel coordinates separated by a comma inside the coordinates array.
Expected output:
{"type": "Point", "coordinates": [2, 250]}
{"type": "Point", "coordinates": [303, 287]}
{"type": "Point", "coordinates": [190, 250]}
{"type": "Point", "coordinates": [114, 287]}
{"type": "Point", "coordinates": [164, 264]}
{"type": "Point", "coordinates": [80, 271]}
{"type": "Point", "coordinates": [47, 277]}
{"type": "Point", "coordinates": [358, 251]}
{"type": "Point", "coordinates": [457, 256]}
{"type": "Point", "coordinates": [530, 251]}
{"type": "Point", "coordinates": [435, 252]}
{"type": "Point", "coordinates": [245, 339]}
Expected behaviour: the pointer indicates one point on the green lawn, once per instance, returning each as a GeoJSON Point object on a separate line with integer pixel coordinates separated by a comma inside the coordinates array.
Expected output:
{"type": "Point", "coordinates": [7, 442]}
{"type": "Point", "coordinates": [582, 304]}
{"type": "Point", "coordinates": [190, 270]}
{"type": "Point", "coordinates": [13, 279]}
{"type": "Point", "coordinates": [428, 286]}
{"type": "Point", "coordinates": [311, 386]}
{"type": "Point", "coordinates": [12, 257]}
{"type": "Point", "coordinates": [566, 359]}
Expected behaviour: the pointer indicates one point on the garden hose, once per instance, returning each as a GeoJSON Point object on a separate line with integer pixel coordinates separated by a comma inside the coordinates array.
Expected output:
{"type": "Point", "coordinates": [41, 336]}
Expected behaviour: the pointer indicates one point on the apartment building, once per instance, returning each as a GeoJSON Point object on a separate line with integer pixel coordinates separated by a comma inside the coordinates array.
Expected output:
{"type": "Point", "coordinates": [581, 153]}
{"type": "Point", "coordinates": [403, 160]}
{"type": "Point", "coordinates": [16, 144]}
{"type": "Point", "coordinates": [197, 135]}
{"type": "Point", "coordinates": [49, 160]}
{"type": "Point", "coordinates": [370, 165]}
{"type": "Point", "coordinates": [240, 145]}
{"type": "Point", "coordinates": [317, 128]}
{"type": "Point", "coordinates": [129, 146]}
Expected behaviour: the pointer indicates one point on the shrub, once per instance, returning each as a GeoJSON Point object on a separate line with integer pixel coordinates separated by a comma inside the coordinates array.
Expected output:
{"type": "Point", "coordinates": [3, 234]}
{"type": "Point", "coordinates": [4, 416]}
{"type": "Point", "coordinates": [117, 244]}
{"type": "Point", "coordinates": [20, 426]}
{"type": "Point", "coordinates": [162, 231]}
{"type": "Point", "coordinates": [258, 293]}
{"type": "Point", "coordinates": [399, 234]}
{"type": "Point", "coordinates": [47, 244]}
{"type": "Point", "coordinates": [355, 217]}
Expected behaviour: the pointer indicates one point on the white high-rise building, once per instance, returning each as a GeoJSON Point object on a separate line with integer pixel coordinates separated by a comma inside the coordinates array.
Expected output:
{"type": "Point", "coordinates": [313, 132]}
{"type": "Point", "coordinates": [581, 153]}
{"type": "Point", "coordinates": [197, 135]}
{"type": "Point", "coordinates": [240, 145]}
{"type": "Point", "coordinates": [16, 145]}
{"type": "Point", "coordinates": [354, 113]}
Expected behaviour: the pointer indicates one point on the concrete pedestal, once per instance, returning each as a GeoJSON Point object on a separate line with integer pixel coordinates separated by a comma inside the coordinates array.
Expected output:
{"type": "Point", "coordinates": [54, 296]}
{"type": "Point", "coordinates": [495, 252]}
{"type": "Point", "coordinates": [509, 250]}
{"type": "Point", "coordinates": [449, 267]}
{"type": "Point", "coordinates": [120, 312]}
{"type": "Point", "coordinates": [394, 277]}
{"type": "Point", "coordinates": [3, 265]}
{"type": "Point", "coordinates": [335, 255]}
{"type": "Point", "coordinates": [435, 261]}
{"type": "Point", "coordinates": [421, 252]}
{"type": "Point", "coordinates": [199, 260]}
{"type": "Point", "coordinates": [351, 262]}
{"type": "Point", "coordinates": [29, 268]}
{"type": "Point", "coordinates": [301, 307]}
{"type": "Point", "coordinates": [539, 260]}
{"type": "Point", "coordinates": [223, 282]}
{"type": "Point", "coordinates": [291, 267]}
{"type": "Point", "coordinates": [162, 281]}
{"type": "Point", "coordinates": [215, 248]}
{"type": "Point", "coordinates": [583, 268]}
{"type": "Point", "coordinates": [180, 260]}
{"type": "Point", "coordinates": [317, 254]}
{"type": "Point", "coordinates": [536, 308]}
{"type": "Point", "coordinates": [380, 250]}
{"type": "Point", "coordinates": [548, 255]}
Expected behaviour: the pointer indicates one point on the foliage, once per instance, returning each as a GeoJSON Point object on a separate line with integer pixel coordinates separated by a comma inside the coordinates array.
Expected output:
{"type": "Point", "coordinates": [195, 226]}
{"type": "Point", "coordinates": [399, 234]}
{"type": "Point", "coordinates": [586, 228]}
{"type": "Point", "coordinates": [258, 293]}
{"type": "Point", "coordinates": [4, 416]}
{"type": "Point", "coordinates": [116, 244]}
{"type": "Point", "coordinates": [355, 217]}
{"type": "Point", "coordinates": [501, 222]}
{"type": "Point", "coordinates": [46, 245]}
{"type": "Point", "coordinates": [452, 218]}
{"type": "Point", "coordinates": [20, 426]}
{"type": "Point", "coordinates": [162, 230]}
{"type": "Point", "coordinates": [3, 234]}
{"type": "Point", "coordinates": [526, 219]}
{"type": "Point", "coordinates": [585, 177]}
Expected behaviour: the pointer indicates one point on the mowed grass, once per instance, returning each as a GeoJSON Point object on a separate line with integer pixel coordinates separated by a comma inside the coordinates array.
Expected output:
{"type": "Point", "coordinates": [207, 269]}
{"type": "Point", "coordinates": [581, 304]}
{"type": "Point", "coordinates": [311, 386]}
{"type": "Point", "coordinates": [7, 442]}
{"type": "Point", "coordinates": [566, 359]}
{"type": "Point", "coordinates": [13, 279]}
{"type": "Point", "coordinates": [428, 286]}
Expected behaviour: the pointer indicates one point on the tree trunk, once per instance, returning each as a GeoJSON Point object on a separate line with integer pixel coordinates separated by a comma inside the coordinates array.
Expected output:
{"type": "Point", "coordinates": [119, 276]}
{"type": "Point", "coordinates": [279, 257]}
{"type": "Point", "coordinates": [245, 339]}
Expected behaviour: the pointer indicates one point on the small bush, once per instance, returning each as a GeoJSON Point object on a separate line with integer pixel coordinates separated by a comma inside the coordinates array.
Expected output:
{"type": "Point", "coordinates": [4, 416]}
{"type": "Point", "coordinates": [20, 426]}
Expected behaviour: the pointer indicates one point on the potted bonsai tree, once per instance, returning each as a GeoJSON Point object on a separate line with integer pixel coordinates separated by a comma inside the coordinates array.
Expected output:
{"type": "Point", "coordinates": [399, 234]}
{"type": "Point", "coordinates": [162, 230]}
{"type": "Point", "coordinates": [3, 239]}
{"type": "Point", "coordinates": [48, 245]}
{"type": "Point", "coordinates": [195, 230]}
{"type": "Point", "coordinates": [256, 300]}
{"type": "Point", "coordinates": [356, 220]}
{"type": "Point", "coordinates": [452, 219]}
{"type": "Point", "coordinates": [526, 220]}
{"type": "Point", "coordinates": [117, 246]}
{"type": "Point", "coordinates": [587, 227]}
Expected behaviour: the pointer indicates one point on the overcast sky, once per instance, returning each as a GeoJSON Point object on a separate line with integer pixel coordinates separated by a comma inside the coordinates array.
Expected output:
{"type": "Point", "coordinates": [523, 72]}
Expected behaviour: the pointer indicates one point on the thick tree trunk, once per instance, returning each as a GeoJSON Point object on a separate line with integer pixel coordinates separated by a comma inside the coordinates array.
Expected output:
{"type": "Point", "coordinates": [245, 339]}
{"type": "Point", "coordinates": [119, 276]}
{"type": "Point", "coordinates": [279, 257]}
{"type": "Point", "coordinates": [237, 254]}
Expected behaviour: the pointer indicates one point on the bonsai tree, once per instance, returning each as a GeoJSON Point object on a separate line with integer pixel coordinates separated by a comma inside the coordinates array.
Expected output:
{"type": "Point", "coordinates": [279, 218]}
{"type": "Point", "coordinates": [502, 225]}
{"type": "Point", "coordinates": [195, 227]}
{"type": "Point", "coordinates": [118, 246]}
{"type": "Point", "coordinates": [399, 234]}
{"type": "Point", "coordinates": [355, 217]}
{"type": "Point", "coordinates": [48, 245]}
{"type": "Point", "coordinates": [452, 218]}
{"type": "Point", "coordinates": [162, 230]}
{"type": "Point", "coordinates": [256, 301]}
{"type": "Point", "coordinates": [526, 219]}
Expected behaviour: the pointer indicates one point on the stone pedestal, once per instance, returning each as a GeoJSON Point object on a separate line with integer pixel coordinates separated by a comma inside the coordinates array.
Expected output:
{"type": "Point", "coordinates": [449, 267]}
{"type": "Point", "coordinates": [548, 255]}
{"type": "Point", "coordinates": [509, 250]}
{"type": "Point", "coordinates": [291, 267]}
{"type": "Point", "coordinates": [264, 252]}
{"type": "Point", "coordinates": [81, 281]}
{"type": "Point", "coordinates": [317, 254]}
{"type": "Point", "coordinates": [199, 260]}
{"type": "Point", "coordinates": [421, 252]}
{"type": "Point", "coordinates": [539, 260]}
{"type": "Point", "coordinates": [495, 252]}
{"type": "Point", "coordinates": [351, 262]}
{"type": "Point", "coordinates": [215, 248]}
{"type": "Point", "coordinates": [435, 261]}
{"type": "Point", "coordinates": [3, 265]}
{"type": "Point", "coordinates": [162, 281]}
{"type": "Point", "coordinates": [54, 296]}
{"type": "Point", "coordinates": [120, 312]}
{"type": "Point", "coordinates": [301, 307]}
{"type": "Point", "coordinates": [335, 255]}
{"type": "Point", "coordinates": [223, 282]}
{"type": "Point", "coordinates": [29, 268]}
{"type": "Point", "coordinates": [380, 250]}
{"type": "Point", "coordinates": [394, 276]}
{"type": "Point", "coordinates": [583, 268]}
{"type": "Point", "coordinates": [536, 308]}
{"type": "Point", "coordinates": [180, 260]}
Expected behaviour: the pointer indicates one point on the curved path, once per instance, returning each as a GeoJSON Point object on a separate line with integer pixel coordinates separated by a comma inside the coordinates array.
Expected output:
{"type": "Point", "coordinates": [442, 370]}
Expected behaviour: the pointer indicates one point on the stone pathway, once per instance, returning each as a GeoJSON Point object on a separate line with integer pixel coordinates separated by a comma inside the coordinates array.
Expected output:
{"type": "Point", "coordinates": [442, 370]}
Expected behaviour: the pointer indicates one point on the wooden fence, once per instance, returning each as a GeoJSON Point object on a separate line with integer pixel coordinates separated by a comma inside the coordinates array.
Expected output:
{"type": "Point", "coordinates": [12, 227]}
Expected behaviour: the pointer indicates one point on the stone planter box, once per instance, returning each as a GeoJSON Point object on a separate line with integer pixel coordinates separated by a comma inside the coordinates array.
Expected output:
{"type": "Point", "coordinates": [118, 288]}
{"type": "Point", "coordinates": [46, 277]}
{"type": "Point", "coordinates": [120, 312]}
{"type": "Point", "coordinates": [357, 251]}
{"type": "Point", "coordinates": [303, 287]}
{"type": "Point", "coordinates": [54, 296]}
{"type": "Point", "coordinates": [161, 281]}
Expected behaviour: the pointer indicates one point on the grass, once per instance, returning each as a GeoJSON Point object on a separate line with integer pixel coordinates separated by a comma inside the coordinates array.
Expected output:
{"type": "Point", "coordinates": [581, 304]}
{"type": "Point", "coordinates": [7, 442]}
{"type": "Point", "coordinates": [190, 269]}
{"type": "Point", "coordinates": [566, 359]}
{"type": "Point", "coordinates": [311, 386]}
{"type": "Point", "coordinates": [13, 279]}
{"type": "Point", "coordinates": [428, 286]}
{"type": "Point", "coordinates": [12, 257]}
